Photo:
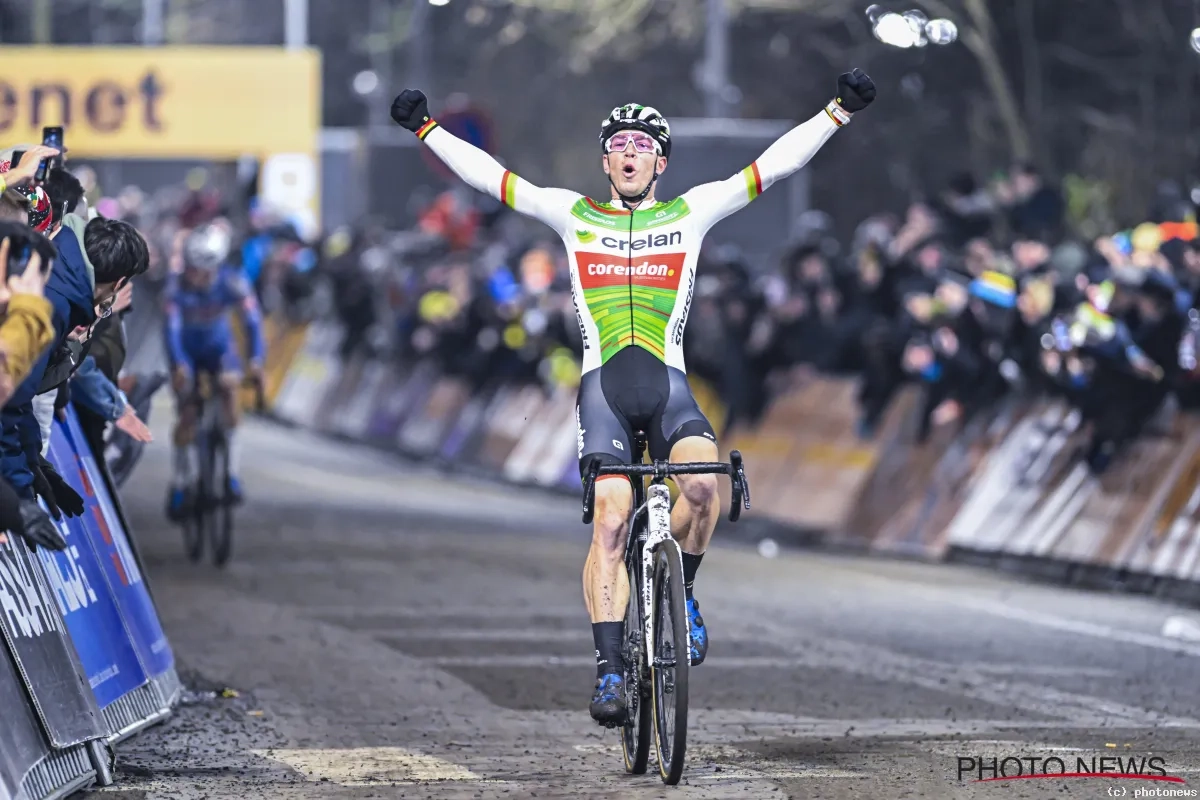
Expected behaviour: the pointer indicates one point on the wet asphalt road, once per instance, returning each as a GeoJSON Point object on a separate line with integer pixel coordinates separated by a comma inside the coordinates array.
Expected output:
{"type": "Point", "coordinates": [391, 633]}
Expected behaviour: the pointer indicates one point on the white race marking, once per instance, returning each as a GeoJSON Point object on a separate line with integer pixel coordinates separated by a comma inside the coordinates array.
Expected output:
{"type": "Point", "coordinates": [1078, 626]}
{"type": "Point", "coordinates": [1184, 628]}
{"type": "Point", "coordinates": [370, 766]}
{"type": "Point", "coordinates": [1033, 617]}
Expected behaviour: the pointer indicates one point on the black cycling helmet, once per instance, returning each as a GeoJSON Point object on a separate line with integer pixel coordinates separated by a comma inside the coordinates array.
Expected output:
{"type": "Point", "coordinates": [634, 116]}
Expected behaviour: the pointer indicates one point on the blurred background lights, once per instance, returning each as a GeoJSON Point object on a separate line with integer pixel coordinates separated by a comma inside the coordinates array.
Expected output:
{"type": "Point", "coordinates": [910, 28]}
{"type": "Point", "coordinates": [943, 31]}
{"type": "Point", "coordinates": [1196, 39]}
{"type": "Point", "coordinates": [916, 22]}
{"type": "Point", "coordinates": [366, 82]}
{"type": "Point", "coordinates": [893, 29]}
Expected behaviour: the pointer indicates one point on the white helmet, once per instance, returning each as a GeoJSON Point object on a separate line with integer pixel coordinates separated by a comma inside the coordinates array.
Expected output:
{"type": "Point", "coordinates": [638, 117]}
{"type": "Point", "coordinates": [207, 247]}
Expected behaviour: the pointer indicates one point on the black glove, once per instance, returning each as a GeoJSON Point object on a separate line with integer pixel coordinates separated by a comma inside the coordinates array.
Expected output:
{"type": "Point", "coordinates": [39, 530]}
{"type": "Point", "coordinates": [855, 90]}
{"type": "Point", "coordinates": [54, 489]}
{"type": "Point", "coordinates": [410, 109]}
{"type": "Point", "coordinates": [10, 508]}
{"type": "Point", "coordinates": [63, 397]}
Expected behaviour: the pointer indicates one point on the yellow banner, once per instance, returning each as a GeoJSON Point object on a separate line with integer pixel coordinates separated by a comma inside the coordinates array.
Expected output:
{"type": "Point", "coordinates": [166, 102]}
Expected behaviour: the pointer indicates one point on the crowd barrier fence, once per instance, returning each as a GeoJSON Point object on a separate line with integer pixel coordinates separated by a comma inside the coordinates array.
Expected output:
{"type": "Point", "coordinates": [85, 663]}
{"type": "Point", "coordinates": [1008, 488]}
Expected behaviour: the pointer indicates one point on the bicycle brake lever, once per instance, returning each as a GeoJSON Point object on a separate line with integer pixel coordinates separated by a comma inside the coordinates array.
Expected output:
{"type": "Point", "coordinates": [745, 484]}
{"type": "Point", "coordinates": [739, 485]}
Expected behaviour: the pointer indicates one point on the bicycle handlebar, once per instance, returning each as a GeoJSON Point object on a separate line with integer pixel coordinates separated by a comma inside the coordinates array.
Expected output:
{"type": "Point", "coordinates": [660, 470]}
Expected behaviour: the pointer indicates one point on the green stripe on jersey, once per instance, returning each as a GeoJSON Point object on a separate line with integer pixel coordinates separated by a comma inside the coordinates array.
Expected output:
{"type": "Point", "coordinates": [618, 220]}
{"type": "Point", "coordinates": [619, 327]}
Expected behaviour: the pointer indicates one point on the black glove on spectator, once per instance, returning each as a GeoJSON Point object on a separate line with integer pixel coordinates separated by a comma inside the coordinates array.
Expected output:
{"type": "Point", "coordinates": [39, 530]}
{"type": "Point", "coordinates": [63, 397]}
{"type": "Point", "coordinates": [54, 489]}
{"type": "Point", "coordinates": [10, 509]}
{"type": "Point", "coordinates": [410, 109]}
{"type": "Point", "coordinates": [855, 90]}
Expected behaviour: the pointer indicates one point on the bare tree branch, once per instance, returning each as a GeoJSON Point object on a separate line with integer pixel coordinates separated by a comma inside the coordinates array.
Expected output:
{"type": "Point", "coordinates": [979, 38]}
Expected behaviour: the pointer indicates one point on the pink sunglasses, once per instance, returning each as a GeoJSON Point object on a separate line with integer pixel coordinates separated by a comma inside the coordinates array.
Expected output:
{"type": "Point", "coordinates": [641, 142]}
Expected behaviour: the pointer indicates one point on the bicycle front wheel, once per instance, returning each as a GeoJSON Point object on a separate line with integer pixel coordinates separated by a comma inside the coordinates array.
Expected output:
{"type": "Point", "coordinates": [671, 658]}
{"type": "Point", "coordinates": [222, 512]}
{"type": "Point", "coordinates": [635, 735]}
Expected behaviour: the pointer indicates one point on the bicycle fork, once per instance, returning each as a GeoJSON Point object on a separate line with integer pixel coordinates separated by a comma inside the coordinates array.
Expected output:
{"type": "Point", "coordinates": [658, 530]}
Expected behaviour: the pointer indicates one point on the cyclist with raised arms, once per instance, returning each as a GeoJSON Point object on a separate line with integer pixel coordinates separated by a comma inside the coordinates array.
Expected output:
{"type": "Point", "coordinates": [633, 268]}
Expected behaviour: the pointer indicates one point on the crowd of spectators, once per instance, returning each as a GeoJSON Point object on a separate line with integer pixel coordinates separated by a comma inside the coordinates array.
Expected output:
{"type": "Point", "coordinates": [66, 280]}
{"type": "Point", "coordinates": [973, 294]}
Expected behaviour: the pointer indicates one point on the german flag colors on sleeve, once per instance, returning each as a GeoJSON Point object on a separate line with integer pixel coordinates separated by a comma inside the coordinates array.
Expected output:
{"type": "Point", "coordinates": [753, 180]}
{"type": "Point", "coordinates": [424, 130]}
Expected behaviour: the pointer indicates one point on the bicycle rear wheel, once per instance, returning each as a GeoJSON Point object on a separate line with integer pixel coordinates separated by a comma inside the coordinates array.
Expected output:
{"type": "Point", "coordinates": [635, 735]}
{"type": "Point", "coordinates": [670, 661]}
{"type": "Point", "coordinates": [221, 527]}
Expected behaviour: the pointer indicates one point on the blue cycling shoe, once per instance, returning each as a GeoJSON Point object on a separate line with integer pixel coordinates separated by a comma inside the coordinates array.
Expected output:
{"type": "Point", "coordinates": [178, 505]}
{"type": "Point", "coordinates": [236, 497]}
{"type": "Point", "coordinates": [608, 701]}
{"type": "Point", "coordinates": [699, 644]}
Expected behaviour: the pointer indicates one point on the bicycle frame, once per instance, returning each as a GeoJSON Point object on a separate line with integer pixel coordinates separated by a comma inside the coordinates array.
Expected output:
{"type": "Point", "coordinates": [657, 509]}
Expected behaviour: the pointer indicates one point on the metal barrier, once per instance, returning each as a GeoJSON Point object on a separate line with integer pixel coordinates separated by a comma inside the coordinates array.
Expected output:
{"type": "Point", "coordinates": [85, 663]}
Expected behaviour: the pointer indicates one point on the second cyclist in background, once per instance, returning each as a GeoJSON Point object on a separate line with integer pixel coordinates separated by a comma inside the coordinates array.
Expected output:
{"type": "Point", "coordinates": [199, 338]}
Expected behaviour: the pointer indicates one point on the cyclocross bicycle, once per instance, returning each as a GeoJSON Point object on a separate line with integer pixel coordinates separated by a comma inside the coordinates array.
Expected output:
{"type": "Point", "coordinates": [656, 620]}
{"type": "Point", "coordinates": [211, 515]}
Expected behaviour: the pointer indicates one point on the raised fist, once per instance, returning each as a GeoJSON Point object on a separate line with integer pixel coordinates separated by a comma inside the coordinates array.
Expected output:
{"type": "Point", "coordinates": [855, 90]}
{"type": "Point", "coordinates": [410, 109]}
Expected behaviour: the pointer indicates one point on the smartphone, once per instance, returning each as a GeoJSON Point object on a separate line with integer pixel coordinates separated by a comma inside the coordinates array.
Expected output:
{"type": "Point", "coordinates": [52, 136]}
{"type": "Point", "coordinates": [17, 155]}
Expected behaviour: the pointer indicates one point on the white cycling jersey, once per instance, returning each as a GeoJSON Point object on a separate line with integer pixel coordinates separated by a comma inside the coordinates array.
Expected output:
{"type": "Point", "coordinates": [635, 272]}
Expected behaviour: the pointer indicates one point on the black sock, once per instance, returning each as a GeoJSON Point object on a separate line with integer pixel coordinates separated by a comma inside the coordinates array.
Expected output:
{"type": "Point", "coordinates": [691, 563]}
{"type": "Point", "coordinates": [608, 637]}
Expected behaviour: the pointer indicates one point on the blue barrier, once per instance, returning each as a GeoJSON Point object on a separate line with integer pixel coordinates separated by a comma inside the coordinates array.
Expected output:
{"type": "Point", "coordinates": [103, 528]}
{"type": "Point", "coordinates": [94, 622]}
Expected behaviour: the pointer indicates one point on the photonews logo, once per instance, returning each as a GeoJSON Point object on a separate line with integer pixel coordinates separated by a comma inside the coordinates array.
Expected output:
{"type": "Point", "coordinates": [585, 237]}
{"type": "Point", "coordinates": [990, 769]}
